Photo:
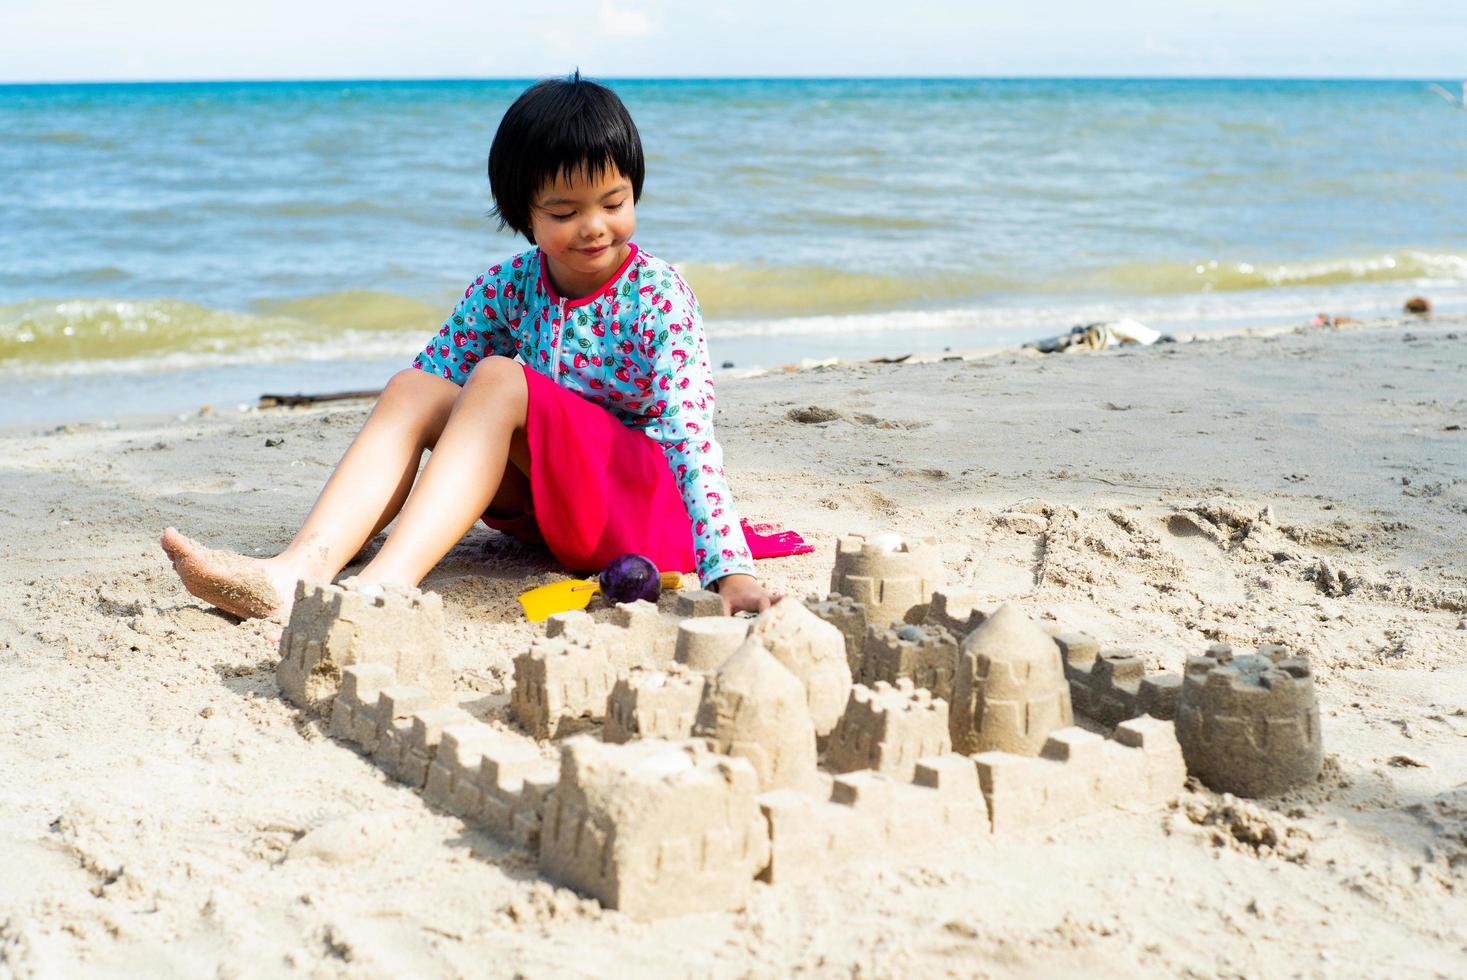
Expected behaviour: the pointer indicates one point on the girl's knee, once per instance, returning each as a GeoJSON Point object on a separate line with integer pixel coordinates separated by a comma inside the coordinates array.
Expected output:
{"type": "Point", "coordinates": [494, 366]}
{"type": "Point", "coordinates": [416, 402]}
{"type": "Point", "coordinates": [503, 374]}
{"type": "Point", "coordinates": [501, 379]}
{"type": "Point", "coordinates": [413, 383]}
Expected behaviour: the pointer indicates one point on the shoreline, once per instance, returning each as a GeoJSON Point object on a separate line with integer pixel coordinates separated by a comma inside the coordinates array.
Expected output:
{"type": "Point", "coordinates": [294, 376]}
{"type": "Point", "coordinates": [1446, 321]}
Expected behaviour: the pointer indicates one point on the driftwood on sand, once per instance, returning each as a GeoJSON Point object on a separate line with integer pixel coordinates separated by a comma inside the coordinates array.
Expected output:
{"type": "Point", "coordinates": [295, 401]}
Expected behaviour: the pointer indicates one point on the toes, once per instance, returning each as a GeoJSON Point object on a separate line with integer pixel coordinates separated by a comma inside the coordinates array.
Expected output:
{"type": "Point", "coordinates": [175, 545]}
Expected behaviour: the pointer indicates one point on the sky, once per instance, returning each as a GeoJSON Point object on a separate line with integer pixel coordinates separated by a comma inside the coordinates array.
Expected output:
{"type": "Point", "coordinates": [136, 40]}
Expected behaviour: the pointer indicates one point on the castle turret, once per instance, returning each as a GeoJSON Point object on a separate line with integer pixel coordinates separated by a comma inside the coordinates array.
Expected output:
{"type": "Point", "coordinates": [815, 652]}
{"type": "Point", "coordinates": [1010, 692]}
{"type": "Point", "coordinates": [1249, 724]}
{"type": "Point", "coordinates": [891, 577]}
{"type": "Point", "coordinates": [755, 708]}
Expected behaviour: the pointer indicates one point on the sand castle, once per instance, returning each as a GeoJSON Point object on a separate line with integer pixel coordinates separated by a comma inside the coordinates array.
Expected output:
{"type": "Point", "coordinates": [870, 818]}
{"type": "Point", "coordinates": [704, 644]}
{"type": "Point", "coordinates": [654, 828]}
{"type": "Point", "coordinates": [888, 729]}
{"type": "Point", "coordinates": [925, 655]}
{"type": "Point", "coordinates": [696, 602]}
{"type": "Point", "coordinates": [558, 682]}
{"type": "Point", "coordinates": [755, 708]}
{"type": "Point", "coordinates": [1249, 724]}
{"type": "Point", "coordinates": [1010, 692]}
{"type": "Point", "coordinates": [815, 652]}
{"type": "Point", "coordinates": [495, 779]}
{"type": "Point", "coordinates": [848, 616]}
{"type": "Point", "coordinates": [1078, 772]}
{"type": "Point", "coordinates": [706, 775]}
{"type": "Point", "coordinates": [634, 635]}
{"type": "Point", "coordinates": [370, 702]}
{"type": "Point", "coordinates": [653, 704]}
{"type": "Point", "coordinates": [335, 626]}
{"type": "Point", "coordinates": [956, 610]}
{"type": "Point", "coordinates": [1111, 686]}
{"type": "Point", "coordinates": [891, 577]}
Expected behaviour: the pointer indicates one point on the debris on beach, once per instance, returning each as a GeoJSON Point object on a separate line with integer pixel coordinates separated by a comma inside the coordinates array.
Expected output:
{"type": "Point", "coordinates": [301, 400]}
{"type": "Point", "coordinates": [1102, 335]}
{"type": "Point", "coordinates": [1419, 305]}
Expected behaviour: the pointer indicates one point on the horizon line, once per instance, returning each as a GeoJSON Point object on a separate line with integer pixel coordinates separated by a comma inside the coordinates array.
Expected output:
{"type": "Point", "coordinates": [329, 80]}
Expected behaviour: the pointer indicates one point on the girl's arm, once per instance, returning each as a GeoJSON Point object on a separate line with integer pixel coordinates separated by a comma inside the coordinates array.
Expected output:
{"type": "Point", "coordinates": [679, 409]}
{"type": "Point", "coordinates": [477, 327]}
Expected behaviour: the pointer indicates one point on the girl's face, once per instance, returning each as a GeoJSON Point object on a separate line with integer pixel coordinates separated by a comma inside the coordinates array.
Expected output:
{"type": "Point", "coordinates": [583, 226]}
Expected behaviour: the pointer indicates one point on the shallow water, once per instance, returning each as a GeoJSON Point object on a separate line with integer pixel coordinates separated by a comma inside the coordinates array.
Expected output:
{"type": "Point", "coordinates": [226, 229]}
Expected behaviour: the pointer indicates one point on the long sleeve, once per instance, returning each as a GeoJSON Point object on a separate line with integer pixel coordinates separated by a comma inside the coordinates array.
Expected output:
{"type": "Point", "coordinates": [679, 408]}
{"type": "Point", "coordinates": [477, 327]}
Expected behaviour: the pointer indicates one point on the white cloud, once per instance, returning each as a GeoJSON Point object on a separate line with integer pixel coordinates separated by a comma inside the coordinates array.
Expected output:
{"type": "Point", "coordinates": [624, 20]}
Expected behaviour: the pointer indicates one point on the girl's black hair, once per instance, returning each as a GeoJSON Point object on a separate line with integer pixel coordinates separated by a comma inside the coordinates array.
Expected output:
{"type": "Point", "coordinates": [557, 128]}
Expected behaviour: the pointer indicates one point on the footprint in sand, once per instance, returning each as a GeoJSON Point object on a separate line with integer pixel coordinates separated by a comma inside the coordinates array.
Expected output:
{"type": "Point", "coordinates": [1205, 565]}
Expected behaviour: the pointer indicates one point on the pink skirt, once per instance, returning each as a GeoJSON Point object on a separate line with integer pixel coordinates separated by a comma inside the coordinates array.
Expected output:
{"type": "Point", "coordinates": [598, 488]}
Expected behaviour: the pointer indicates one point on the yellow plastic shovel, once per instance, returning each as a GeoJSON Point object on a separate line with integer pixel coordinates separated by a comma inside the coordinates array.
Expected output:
{"type": "Point", "coordinates": [573, 593]}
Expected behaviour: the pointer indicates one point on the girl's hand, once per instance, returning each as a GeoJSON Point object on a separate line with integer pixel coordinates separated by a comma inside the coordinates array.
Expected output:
{"type": "Point", "coordinates": [743, 592]}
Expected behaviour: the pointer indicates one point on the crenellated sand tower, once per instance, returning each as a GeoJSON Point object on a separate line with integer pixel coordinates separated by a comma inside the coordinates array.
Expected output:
{"type": "Point", "coordinates": [1249, 724]}
{"type": "Point", "coordinates": [893, 578]}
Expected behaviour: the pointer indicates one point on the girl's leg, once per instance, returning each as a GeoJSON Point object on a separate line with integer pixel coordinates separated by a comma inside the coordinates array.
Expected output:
{"type": "Point", "coordinates": [483, 435]}
{"type": "Point", "coordinates": [369, 485]}
{"type": "Point", "coordinates": [362, 496]}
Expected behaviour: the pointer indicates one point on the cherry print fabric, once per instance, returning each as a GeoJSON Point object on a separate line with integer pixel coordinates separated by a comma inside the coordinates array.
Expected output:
{"type": "Point", "coordinates": [636, 348]}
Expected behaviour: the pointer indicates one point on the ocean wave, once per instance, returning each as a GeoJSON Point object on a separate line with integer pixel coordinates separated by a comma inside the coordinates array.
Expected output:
{"type": "Point", "coordinates": [350, 347]}
{"type": "Point", "coordinates": [867, 221]}
{"type": "Point", "coordinates": [739, 300]}
{"type": "Point", "coordinates": [732, 290]}
{"type": "Point", "coordinates": [72, 333]}
{"type": "Point", "coordinates": [1013, 318]}
{"type": "Point", "coordinates": [1212, 275]}
{"type": "Point", "coordinates": [370, 310]}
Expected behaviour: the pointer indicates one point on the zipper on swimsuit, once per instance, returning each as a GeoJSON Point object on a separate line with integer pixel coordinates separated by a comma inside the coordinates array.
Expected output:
{"type": "Point", "coordinates": [555, 346]}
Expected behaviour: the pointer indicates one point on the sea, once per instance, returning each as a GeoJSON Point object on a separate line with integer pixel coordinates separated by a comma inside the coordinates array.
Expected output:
{"type": "Point", "coordinates": [173, 245]}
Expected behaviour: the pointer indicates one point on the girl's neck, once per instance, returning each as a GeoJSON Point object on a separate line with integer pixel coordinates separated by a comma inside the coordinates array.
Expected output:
{"type": "Point", "coordinates": [566, 284]}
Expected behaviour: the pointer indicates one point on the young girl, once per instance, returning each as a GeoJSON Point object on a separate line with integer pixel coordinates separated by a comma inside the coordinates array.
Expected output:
{"type": "Point", "coordinates": [567, 398]}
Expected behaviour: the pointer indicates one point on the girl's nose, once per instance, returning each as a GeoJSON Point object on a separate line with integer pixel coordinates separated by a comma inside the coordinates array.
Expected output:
{"type": "Point", "coordinates": [593, 226]}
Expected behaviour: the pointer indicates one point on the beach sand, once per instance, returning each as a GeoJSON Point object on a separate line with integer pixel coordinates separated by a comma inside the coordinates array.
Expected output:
{"type": "Point", "coordinates": [166, 812]}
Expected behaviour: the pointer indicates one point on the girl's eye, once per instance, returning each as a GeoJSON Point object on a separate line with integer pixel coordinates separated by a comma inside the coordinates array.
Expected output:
{"type": "Point", "coordinates": [616, 206]}
{"type": "Point", "coordinates": [563, 217]}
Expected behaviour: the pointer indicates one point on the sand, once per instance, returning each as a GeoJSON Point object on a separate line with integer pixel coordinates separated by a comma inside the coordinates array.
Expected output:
{"type": "Point", "coordinates": [165, 812]}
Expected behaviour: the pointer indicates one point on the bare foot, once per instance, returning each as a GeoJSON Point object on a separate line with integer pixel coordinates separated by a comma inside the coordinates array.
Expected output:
{"type": "Point", "coordinates": [250, 588]}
